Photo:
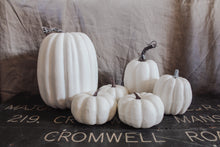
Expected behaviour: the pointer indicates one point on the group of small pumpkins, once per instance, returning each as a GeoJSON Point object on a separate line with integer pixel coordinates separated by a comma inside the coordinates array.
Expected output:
{"type": "Point", "coordinates": [67, 73]}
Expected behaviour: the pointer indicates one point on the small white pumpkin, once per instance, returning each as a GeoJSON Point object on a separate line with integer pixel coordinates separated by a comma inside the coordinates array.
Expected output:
{"type": "Point", "coordinates": [175, 93]}
{"type": "Point", "coordinates": [117, 91]}
{"type": "Point", "coordinates": [67, 65]}
{"type": "Point", "coordinates": [91, 109]}
{"type": "Point", "coordinates": [141, 74]}
{"type": "Point", "coordinates": [142, 110]}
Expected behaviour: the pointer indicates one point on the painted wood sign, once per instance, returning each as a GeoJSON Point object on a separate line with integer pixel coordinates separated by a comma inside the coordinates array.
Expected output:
{"type": "Point", "coordinates": [27, 121]}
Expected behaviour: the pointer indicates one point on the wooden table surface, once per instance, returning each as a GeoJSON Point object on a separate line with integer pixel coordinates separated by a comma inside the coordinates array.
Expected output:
{"type": "Point", "coordinates": [26, 121]}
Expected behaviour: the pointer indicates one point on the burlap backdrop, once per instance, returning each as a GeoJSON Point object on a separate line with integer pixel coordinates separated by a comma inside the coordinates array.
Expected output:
{"type": "Point", "coordinates": [187, 32]}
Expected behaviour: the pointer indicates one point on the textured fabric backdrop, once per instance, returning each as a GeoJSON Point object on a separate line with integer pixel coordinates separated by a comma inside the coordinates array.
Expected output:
{"type": "Point", "coordinates": [187, 32]}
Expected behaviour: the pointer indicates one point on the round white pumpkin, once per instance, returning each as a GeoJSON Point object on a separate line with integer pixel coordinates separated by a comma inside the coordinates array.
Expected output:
{"type": "Point", "coordinates": [117, 91]}
{"type": "Point", "coordinates": [91, 109]}
{"type": "Point", "coordinates": [175, 93]}
{"type": "Point", "coordinates": [67, 65]}
{"type": "Point", "coordinates": [141, 74]}
{"type": "Point", "coordinates": [141, 110]}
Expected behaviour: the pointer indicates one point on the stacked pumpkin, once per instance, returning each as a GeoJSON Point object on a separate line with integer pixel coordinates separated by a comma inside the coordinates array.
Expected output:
{"type": "Point", "coordinates": [68, 78]}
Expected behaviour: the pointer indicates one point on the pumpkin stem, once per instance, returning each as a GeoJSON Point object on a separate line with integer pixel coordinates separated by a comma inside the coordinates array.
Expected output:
{"type": "Point", "coordinates": [47, 30]}
{"type": "Point", "coordinates": [96, 93]}
{"type": "Point", "coordinates": [153, 44]}
{"type": "Point", "coordinates": [137, 96]}
{"type": "Point", "coordinates": [176, 73]}
{"type": "Point", "coordinates": [113, 82]}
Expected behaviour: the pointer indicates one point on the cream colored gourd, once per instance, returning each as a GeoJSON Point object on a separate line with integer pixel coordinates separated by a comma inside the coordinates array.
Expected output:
{"type": "Point", "coordinates": [141, 110]}
{"type": "Point", "coordinates": [117, 91]}
{"type": "Point", "coordinates": [141, 74]}
{"type": "Point", "coordinates": [175, 93]}
{"type": "Point", "coordinates": [67, 65]}
{"type": "Point", "coordinates": [91, 109]}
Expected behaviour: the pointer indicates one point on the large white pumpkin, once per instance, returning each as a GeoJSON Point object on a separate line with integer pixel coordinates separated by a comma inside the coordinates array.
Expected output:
{"type": "Point", "coordinates": [67, 65]}
{"type": "Point", "coordinates": [91, 109]}
{"type": "Point", "coordinates": [141, 110]}
{"type": "Point", "coordinates": [175, 93]}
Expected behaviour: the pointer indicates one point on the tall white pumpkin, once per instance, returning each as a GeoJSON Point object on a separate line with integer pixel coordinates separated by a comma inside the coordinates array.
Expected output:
{"type": "Point", "coordinates": [67, 65]}
{"type": "Point", "coordinates": [141, 74]}
{"type": "Point", "coordinates": [175, 93]}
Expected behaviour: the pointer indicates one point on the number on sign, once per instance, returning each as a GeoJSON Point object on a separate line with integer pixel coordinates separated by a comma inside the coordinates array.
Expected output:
{"type": "Point", "coordinates": [28, 119]}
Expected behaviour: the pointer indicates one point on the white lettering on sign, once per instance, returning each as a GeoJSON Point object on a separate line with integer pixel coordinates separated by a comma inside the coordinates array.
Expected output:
{"type": "Point", "coordinates": [64, 119]}
{"type": "Point", "coordinates": [198, 119]}
{"type": "Point", "coordinates": [50, 137]}
{"type": "Point", "coordinates": [128, 137]}
{"type": "Point", "coordinates": [74, 136]}
{"type": "Point", "coordinates": [64, 135]}
{"type": "Point", "coordinates": [117, 139]}
{"type": "Point", "coordinates": [142, 139]}
{"type": "Point", "coordinates": [92, 137]}
{"type": "Point", "coordinates": [205, 107]}
{"type": "Point", "coordinates": [202, 136]}
{"type": "Point", "coordinates": [18, 118]}
{"type": "Point", "coordinates": [28, 107]}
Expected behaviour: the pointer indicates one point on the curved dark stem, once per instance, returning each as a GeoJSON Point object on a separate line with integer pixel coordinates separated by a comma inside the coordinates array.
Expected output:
{"type": "Point", "coordinates": [113, 82]}
{"type": "Point", "coordinates": [96, 93]}
{"type": "Point", "coordinates": [153, 44]}
{"type": "Point", "coordinates": [137, 96]}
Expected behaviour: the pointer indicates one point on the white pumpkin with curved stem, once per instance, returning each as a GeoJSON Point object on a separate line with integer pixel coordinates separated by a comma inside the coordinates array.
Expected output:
{"type": "Point", "coordinates": [91, 109]}
{"type": "Point", "coordinates": [141, 110]}
{"type": "Point", "coordinates": [175, 93]}
{"type": "Point", "coordinates": [141, 74]}
{"type": "Point", "coordinates": [117, 91]}
{"type": "Point", "coordinates": [67, 65]}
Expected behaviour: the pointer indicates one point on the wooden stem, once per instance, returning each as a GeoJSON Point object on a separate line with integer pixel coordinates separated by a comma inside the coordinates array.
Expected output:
{"type": "Point", "coordinates": [153, 44]}
{"type": "Point", "coordinates": [176, 73]}
{"type": "Point", "coordinates": [113, 82]}
{"type": "Point", "coordinates": [47, 30]}
{"type": "Point", "coordinates": [96, 93]}
{"type": "Point", "coordinates": [137, 96]}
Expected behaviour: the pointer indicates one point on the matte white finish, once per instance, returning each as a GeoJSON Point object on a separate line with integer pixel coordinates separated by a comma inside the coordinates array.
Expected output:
{"type": "Point", "coordinates": [141, 76]}
{"type": "Point", "coordinates": [175, 93]}
{"type": "Point", "coordinates": [67, 65]}
{"type": "Point", "coordinates": [91, 110]}
{"type": "Point", "coordinates": [117, 92]}
{"type": "Point", "coordinates": [141, 113]}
